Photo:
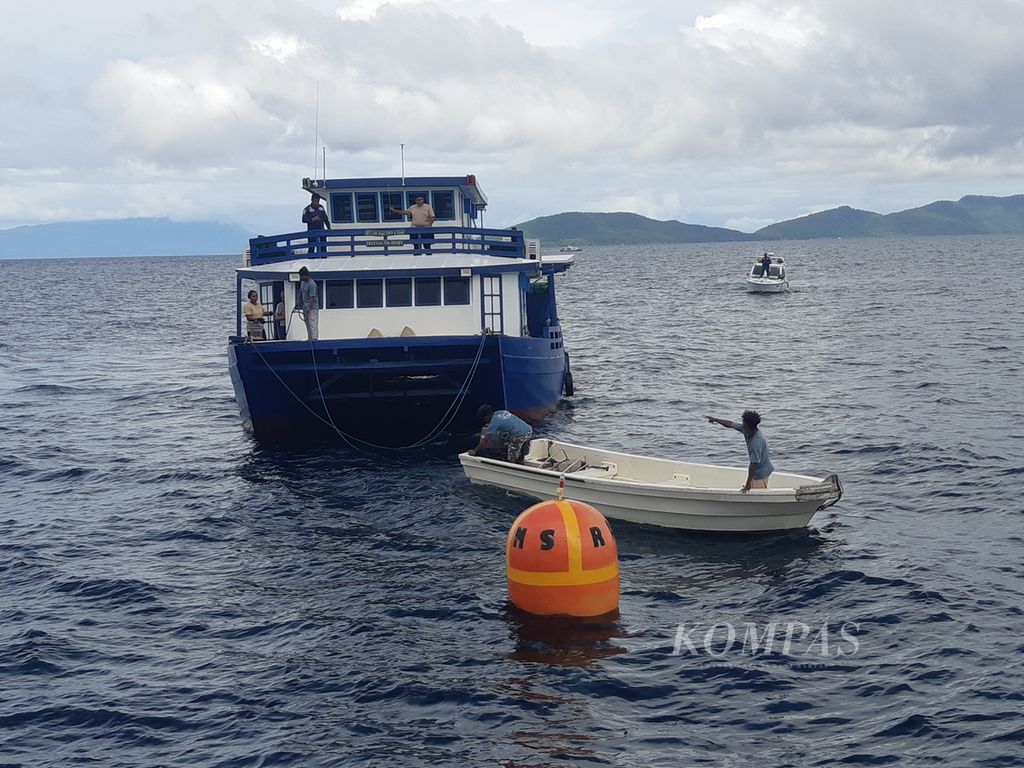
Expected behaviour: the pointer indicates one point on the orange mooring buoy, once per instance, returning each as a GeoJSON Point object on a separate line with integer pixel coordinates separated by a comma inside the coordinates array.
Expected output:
{"type": "Point", "coordinates": [561, 559]}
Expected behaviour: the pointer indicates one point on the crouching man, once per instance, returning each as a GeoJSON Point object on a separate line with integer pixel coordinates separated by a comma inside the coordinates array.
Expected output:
{"type": "Point", "coordinates": [504, 436]}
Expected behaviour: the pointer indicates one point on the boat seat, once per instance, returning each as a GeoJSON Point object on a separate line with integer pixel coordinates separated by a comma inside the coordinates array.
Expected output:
{"type": "Point", "coordinates": [605, 469]}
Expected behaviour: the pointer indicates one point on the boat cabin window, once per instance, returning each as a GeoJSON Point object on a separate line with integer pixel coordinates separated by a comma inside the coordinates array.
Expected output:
{"type": "Point", "coordinates": [774, 272]}
{"type": "Point", "coordinates": [399, 291]}
{"type": "Point", "coordinates": [389, 200]}
{"type": "Point", "coordinates": [372, 207]}
{"type": "Point", "coordinates": [340, 294]}
{"type": "Point", "coordinates": [370, 293]}
{"type": "Point", "coordinates": [444, 205]}
{"type": "Point", "coordinates": [456, 290]}
{"type": "Point", "coordinates": [341, 208]}
{"type": "Point", "coordinates": [366, 206]}
{"type": "Point", "coordinates": [428, 291]}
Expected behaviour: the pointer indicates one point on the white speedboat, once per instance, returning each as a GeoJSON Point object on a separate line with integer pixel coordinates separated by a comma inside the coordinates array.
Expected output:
{"type": "Point", "coordinates": [673, 494]}
{"type": "Point", "coordinates": [774, 282]}
{"type": "Point", "coordinates": [570, 249]}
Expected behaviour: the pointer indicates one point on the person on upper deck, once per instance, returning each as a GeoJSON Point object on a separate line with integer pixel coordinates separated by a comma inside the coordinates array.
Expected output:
{"type": "Point", "coordinates": [309, 302]}
{"type": "Point", "coordinates": [420, 215]}
{"type": "Point", "coordinates": [766, 265]}
{"type": "Point", "coordinates": [315, 218]}
{"type": "Point", "coordinates": [760, 467]}
{"type": "Point", "coordinates": [253, 317]}
{"type": "Point", "coordinates": [504, 436]}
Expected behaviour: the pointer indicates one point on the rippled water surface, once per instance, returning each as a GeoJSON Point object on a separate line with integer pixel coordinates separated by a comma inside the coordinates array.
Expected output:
{"type": "Point", "coordinates": [171, 593]}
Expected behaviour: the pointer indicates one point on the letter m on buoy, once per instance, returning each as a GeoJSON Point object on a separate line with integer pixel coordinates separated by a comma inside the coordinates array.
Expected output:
{"type": "Point", "coordinates": [519, 537]}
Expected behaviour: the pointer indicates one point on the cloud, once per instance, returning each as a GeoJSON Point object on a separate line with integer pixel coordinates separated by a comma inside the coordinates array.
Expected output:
{"type": "Point", "coordinates": [705, 111]}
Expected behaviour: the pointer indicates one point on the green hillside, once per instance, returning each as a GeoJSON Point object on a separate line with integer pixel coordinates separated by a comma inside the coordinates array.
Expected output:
{"type": "Point", "coordinates": [970, 215]}
{"type": "Point", "coordinates": [621, 229]}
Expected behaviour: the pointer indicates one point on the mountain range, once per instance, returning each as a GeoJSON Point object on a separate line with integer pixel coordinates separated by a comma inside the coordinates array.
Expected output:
{"type": "Point", "coordinates": [122, 237]}
{"type": "Point", "coordinates": [970, 215]}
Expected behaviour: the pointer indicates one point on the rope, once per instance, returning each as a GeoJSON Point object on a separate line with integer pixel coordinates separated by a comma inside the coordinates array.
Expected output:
{"type": "Point", "coordinates": [354, 442]}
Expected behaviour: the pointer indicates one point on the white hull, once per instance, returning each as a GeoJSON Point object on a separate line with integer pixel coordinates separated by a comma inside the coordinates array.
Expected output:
{"type": "Point", "coordinates": [760, 285]}
{"type": "Point", "coordinates": [673, 494]}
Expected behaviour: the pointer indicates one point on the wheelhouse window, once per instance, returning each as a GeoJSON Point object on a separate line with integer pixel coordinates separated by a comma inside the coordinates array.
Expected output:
{"type": "Point", "coordinates": [340, 294]}
{"type": "Point", "coordinates": [428, 291]}
{"type": "Point", "coordinates": [366, 206]}
{"type": "Point", "coordinates": [369, 293]}
{"type": "Point", "coordinates": [389, 200]}
{"type": "Point", "coordinates": [456, 290]}
{"type": "Point", "coordinates": [444, 205]}
{"type": "Point", "coordinates": [399, 291]}
{"type": "Point", "coordinates": [341, 207]}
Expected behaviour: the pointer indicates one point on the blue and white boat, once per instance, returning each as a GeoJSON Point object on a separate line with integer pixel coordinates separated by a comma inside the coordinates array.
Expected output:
{"type": "Point", "coordinates": [418, 326]}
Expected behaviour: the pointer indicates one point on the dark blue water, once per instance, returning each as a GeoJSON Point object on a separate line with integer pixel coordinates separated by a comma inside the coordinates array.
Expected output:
{"type": "Point", "coordinates": [173, 594]}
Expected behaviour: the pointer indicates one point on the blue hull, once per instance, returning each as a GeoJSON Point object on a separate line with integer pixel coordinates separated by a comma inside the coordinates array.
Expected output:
{"type": "Point", "coordinates": [392, 392]}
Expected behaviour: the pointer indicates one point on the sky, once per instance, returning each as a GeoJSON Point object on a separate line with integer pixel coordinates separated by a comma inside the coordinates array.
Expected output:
{"type": "Point", "coordinates": [733, 114]}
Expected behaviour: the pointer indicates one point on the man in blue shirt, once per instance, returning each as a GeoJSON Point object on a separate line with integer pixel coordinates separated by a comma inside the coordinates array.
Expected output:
{"type": "Point", "coordinates": [309, 303]}
{"type": "Point", "coordinates": [504, 436]}
{"type": "Point", "coordinates": [757, 449]}
{"type": "Point", "coordinates": [315, 218]}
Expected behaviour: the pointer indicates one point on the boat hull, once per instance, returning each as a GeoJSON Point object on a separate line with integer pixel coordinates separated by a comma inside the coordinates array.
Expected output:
{"type": "Point", "coordinates": [760, 285]}
{"type": "Point", "coordinates": [664, 502]}
{"type": "Point", "coordinates": [392, 392]}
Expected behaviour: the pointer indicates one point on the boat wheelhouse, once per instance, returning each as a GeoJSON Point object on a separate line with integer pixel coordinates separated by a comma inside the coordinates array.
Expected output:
{"type": "Point", "coordinates": [774, 281]}
{"type": "Point", "coordinates": [418, 326]}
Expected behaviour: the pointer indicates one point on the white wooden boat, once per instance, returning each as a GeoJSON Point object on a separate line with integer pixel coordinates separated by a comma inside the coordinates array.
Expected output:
{"type": "Point", "coordinates": [674, 494]}
{"type": "Point", "coordinates": [774, 282]}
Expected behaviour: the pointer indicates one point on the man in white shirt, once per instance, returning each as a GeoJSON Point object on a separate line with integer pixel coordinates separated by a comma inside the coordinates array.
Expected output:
{"type": "Point", "coordinates": [420, 215]}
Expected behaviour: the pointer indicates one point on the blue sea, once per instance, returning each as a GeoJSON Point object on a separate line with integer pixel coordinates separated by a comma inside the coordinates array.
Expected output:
{"type": "Point", "coordinates": [174, 594]}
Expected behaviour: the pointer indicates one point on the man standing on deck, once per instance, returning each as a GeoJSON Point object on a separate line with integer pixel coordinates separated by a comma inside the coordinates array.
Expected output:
{"type": "Point", "coordinates": [315, 218]}
{"type": "Point", "coordinates": [760, 467]}
{"type": "Point", "coordinates": [310, 304]}
{"type": "Point", "coordinates": [420, 215]}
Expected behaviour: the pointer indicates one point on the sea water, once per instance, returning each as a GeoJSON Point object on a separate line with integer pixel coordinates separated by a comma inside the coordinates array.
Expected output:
{"type": "Point", "coordinates": [173, 593]}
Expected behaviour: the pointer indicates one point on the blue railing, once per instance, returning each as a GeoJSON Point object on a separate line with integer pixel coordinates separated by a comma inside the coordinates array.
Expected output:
{"type": "Point", "coordinates": [386, 241]}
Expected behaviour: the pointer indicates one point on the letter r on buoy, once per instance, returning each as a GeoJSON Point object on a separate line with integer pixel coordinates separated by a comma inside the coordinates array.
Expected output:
{"type": "Point", "coordinates": [595, 534]}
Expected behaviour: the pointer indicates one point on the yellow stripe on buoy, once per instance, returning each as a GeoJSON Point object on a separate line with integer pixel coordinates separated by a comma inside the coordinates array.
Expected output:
{"type": "Point", "coordinates": [578, 578]}
{"type": "Point", "coordinates": [572, 536]}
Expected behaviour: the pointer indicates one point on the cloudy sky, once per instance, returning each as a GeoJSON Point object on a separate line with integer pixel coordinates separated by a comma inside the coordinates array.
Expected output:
{"type": "Point", "coordinates": [725, 113]}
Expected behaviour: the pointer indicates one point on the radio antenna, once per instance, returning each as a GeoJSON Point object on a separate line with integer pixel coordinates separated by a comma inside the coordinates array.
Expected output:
{"type": "Point", "coordinates": [403, 163]}
{"type": "Point", "coordinates": [316, 129]}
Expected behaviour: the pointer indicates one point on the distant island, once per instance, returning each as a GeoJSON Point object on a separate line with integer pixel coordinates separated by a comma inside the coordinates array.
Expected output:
{"type": "Point", "coordinates": [970, 215]}
{"type": "Point", "coordinates": [122, 237]}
